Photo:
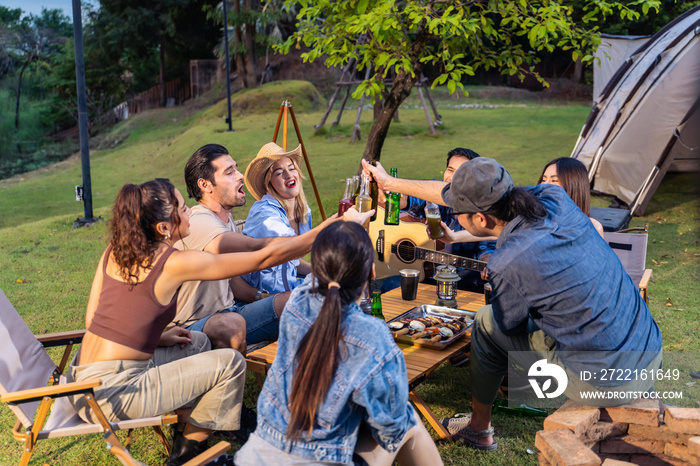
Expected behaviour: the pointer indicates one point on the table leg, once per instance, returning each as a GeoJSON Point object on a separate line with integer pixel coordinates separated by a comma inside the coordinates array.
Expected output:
{"type": "Point", "coordinates": [428, 414]}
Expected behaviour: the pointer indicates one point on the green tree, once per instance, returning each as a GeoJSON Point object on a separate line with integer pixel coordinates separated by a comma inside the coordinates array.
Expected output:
{"type": "Point", "coordinates": [143, 28]}
{"type": "Point", "coordinates": [32, 39]}
{"type": "Point", "coordinates": [650, 23]}
{"type": "Point", "coordinates": [253, 27]}
{"type": "Point", "coordinates": [105, 73]}
{"type": "Point", "coordinates": [10, 20]}
{"type": "Point", "coordinates": [153, 33]}
{"type": "Point", "coordinates": [399, 38]}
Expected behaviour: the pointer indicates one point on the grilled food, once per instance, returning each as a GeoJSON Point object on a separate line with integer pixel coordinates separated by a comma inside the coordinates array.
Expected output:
{"type": "Point", "coordinates": [429, 327]}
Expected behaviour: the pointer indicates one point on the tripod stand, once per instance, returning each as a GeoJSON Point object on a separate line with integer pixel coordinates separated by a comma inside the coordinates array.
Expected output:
{"type": "Point", "coordinates": [283, 117]}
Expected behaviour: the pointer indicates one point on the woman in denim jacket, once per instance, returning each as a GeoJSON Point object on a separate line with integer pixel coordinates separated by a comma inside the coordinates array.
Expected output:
{"type": "Point", "coordinates": [337, 392]}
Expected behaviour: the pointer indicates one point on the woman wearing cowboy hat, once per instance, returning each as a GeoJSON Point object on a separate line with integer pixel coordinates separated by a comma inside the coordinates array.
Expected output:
{"type": "Point", "coordinates": [274, 179]}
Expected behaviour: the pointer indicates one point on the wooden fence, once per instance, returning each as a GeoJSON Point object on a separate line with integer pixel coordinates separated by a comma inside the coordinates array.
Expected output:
{"type": "Point", "coordinates": [176, 93]}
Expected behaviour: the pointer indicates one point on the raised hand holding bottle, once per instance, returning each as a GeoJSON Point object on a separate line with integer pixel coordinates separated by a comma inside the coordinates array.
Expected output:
{"type": "Point", "coordinates": [392, 206]}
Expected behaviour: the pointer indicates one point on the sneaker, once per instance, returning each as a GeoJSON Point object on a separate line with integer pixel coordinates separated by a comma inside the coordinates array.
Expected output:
{"type": "Point", "coordinates": [460, 429]}
{"type": "Point", "coordinates": [455, 425]}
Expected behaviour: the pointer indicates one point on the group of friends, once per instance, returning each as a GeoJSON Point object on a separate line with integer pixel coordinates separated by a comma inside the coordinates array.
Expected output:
{"type": "Point", "coordinates": [179, 294]}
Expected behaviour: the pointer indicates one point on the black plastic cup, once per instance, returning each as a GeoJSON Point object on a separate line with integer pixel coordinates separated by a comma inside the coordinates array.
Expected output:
{"type": "Point", "coordinates": [409, 283]}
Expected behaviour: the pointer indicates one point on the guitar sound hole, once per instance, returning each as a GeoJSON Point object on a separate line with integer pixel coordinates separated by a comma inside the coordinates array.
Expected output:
{"type": "Point", "coordinates": [406, 251]}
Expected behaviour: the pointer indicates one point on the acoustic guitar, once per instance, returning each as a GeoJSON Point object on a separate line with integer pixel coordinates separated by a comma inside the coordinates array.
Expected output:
{"type": "Point", "coordinates": [410, 247]}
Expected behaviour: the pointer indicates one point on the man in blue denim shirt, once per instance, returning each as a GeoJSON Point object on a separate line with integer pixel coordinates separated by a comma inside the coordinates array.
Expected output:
{"type": "Point", "coordinates": [557, 288]}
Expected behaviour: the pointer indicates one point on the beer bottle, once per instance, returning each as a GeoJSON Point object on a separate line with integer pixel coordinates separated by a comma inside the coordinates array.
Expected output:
{"type": "Point", "coordinates": [377, 305]}
{"type": "Point", "coordinates": [373, 193]}
{"type": "Point", "coordinates": [346, 202]}
{"type": "Point", "coordinates": [501, 406]}
{"type": "Point", "coordinates": [356, 187]}
{"type": "Point", "coordinates": [392, 205]}
{"type": "Point", "coordinates": [363, 203]}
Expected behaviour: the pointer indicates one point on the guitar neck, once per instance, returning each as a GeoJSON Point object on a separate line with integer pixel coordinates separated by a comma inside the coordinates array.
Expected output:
{"type": "Point", "coordinates": [449, 259]}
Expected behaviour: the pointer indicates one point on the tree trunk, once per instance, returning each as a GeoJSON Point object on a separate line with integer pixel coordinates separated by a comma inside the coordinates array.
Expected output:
{"type": "Point", "coordinates": [162, 76]}
{"type": "Point", "coordinates": [251, 57]}
{"type": "Point", "coordinates": [401, 89]}
{"type": "Point", "coordinates": [378, 105]}
{"type": "Point", "coordinates": [19, 89]}
{"type": "Point", "coordinates": [238, 35]}
{"type": "Point", "coordinates": [578, 71]}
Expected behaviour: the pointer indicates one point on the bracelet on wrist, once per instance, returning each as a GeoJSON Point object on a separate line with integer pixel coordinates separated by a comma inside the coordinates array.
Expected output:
{"type": "Point", "coordinates": [261, 294]}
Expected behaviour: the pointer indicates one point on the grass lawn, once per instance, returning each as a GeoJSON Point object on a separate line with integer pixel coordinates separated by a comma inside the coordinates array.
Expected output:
{"type": "Point", "coordinates": [46, 266]}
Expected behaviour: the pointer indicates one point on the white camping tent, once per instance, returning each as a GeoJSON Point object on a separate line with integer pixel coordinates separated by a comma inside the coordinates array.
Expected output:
{"type": "Point", "coordinates": [647, 118]}
{"type": "Point", "coordinates": [610, 55]}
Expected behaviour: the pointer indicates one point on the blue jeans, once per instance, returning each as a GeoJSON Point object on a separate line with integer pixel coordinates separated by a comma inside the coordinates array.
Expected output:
{"type": "Point", "coordinates": [262, 322]}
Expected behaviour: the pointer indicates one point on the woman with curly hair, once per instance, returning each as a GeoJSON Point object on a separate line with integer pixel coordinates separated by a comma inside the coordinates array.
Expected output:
{"type": "Point", "coordinates": [571, 175]}
{"type": "Point", "coordinates": [145, 369]}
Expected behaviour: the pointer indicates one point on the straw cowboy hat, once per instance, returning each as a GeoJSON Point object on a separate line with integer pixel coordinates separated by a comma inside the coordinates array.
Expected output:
{"type": "Point", "coordinates": [267, 155]}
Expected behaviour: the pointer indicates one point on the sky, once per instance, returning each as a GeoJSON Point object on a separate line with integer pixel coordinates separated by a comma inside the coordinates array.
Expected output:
{"type": "Point", "coordinates": [34, 6]}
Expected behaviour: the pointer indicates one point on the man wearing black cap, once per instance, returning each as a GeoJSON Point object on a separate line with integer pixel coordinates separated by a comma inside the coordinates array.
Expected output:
{"type": "Point", "coordinates": [559, 292]}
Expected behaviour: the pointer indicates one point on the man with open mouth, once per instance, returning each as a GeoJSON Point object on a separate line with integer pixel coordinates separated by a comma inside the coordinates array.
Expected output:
{"type": "Point", "coordinates": [213, 179]}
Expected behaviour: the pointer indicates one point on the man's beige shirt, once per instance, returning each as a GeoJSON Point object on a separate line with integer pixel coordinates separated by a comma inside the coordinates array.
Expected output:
{"type": "Point", "coordinates": [199, 299]}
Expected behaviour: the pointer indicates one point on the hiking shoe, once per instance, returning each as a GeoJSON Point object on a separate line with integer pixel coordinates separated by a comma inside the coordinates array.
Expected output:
{"type": "Point", "coordinates": [461, 430]}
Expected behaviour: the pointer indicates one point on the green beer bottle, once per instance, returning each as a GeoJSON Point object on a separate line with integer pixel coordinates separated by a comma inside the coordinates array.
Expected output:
{"type": "Point", "coordinates": [377, 305]}
{"type": "Point", "coordinates": [373, 193]}
{"type": "Point", "coordinates": [392, 205]}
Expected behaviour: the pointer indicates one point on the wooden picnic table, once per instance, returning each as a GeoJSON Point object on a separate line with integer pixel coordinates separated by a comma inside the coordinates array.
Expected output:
{"type": "Point", "coordinates": [420, 361]}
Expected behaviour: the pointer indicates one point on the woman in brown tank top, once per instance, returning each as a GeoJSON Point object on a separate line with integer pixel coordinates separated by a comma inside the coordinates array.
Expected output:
{"type": "Point", "coordinates": [145, 369]}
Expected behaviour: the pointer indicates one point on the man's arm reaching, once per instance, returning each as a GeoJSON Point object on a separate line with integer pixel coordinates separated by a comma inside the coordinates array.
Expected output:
{"type": "Point", "coordinates": [430, 190]}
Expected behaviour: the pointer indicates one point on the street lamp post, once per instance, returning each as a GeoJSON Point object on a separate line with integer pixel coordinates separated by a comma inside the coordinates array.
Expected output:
{"type": "Point", "coordinates": [228, 67]}
{"type": "Point", "coordinates": [83, 192]}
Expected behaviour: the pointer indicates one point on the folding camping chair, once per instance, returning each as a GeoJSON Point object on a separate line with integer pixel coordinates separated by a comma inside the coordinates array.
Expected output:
{"type": "Point", "coordinates": [630, 245]}
{"type": "Point", "coordinates": [203, 458]}
{"type": "Point", "coordinates": [25, 371]}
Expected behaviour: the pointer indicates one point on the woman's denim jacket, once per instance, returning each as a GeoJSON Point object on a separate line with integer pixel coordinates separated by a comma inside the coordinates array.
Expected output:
{"type": "Point", "coordinates": [370, 385]}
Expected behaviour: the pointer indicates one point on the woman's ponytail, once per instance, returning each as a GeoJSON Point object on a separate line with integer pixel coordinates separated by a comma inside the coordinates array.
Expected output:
{"type": "Point", "coordinates": [341, 262]}
{"type": "Point", "coordinates": [317, 359]}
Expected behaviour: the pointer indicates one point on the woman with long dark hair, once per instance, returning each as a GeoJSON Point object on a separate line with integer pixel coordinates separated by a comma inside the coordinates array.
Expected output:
{"type": "Point", "coordinates": [145, 369]}
{"type": "Point", "coordinates": [571, 175]}
{"type": "Point", "coordinates": [338, 385]}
